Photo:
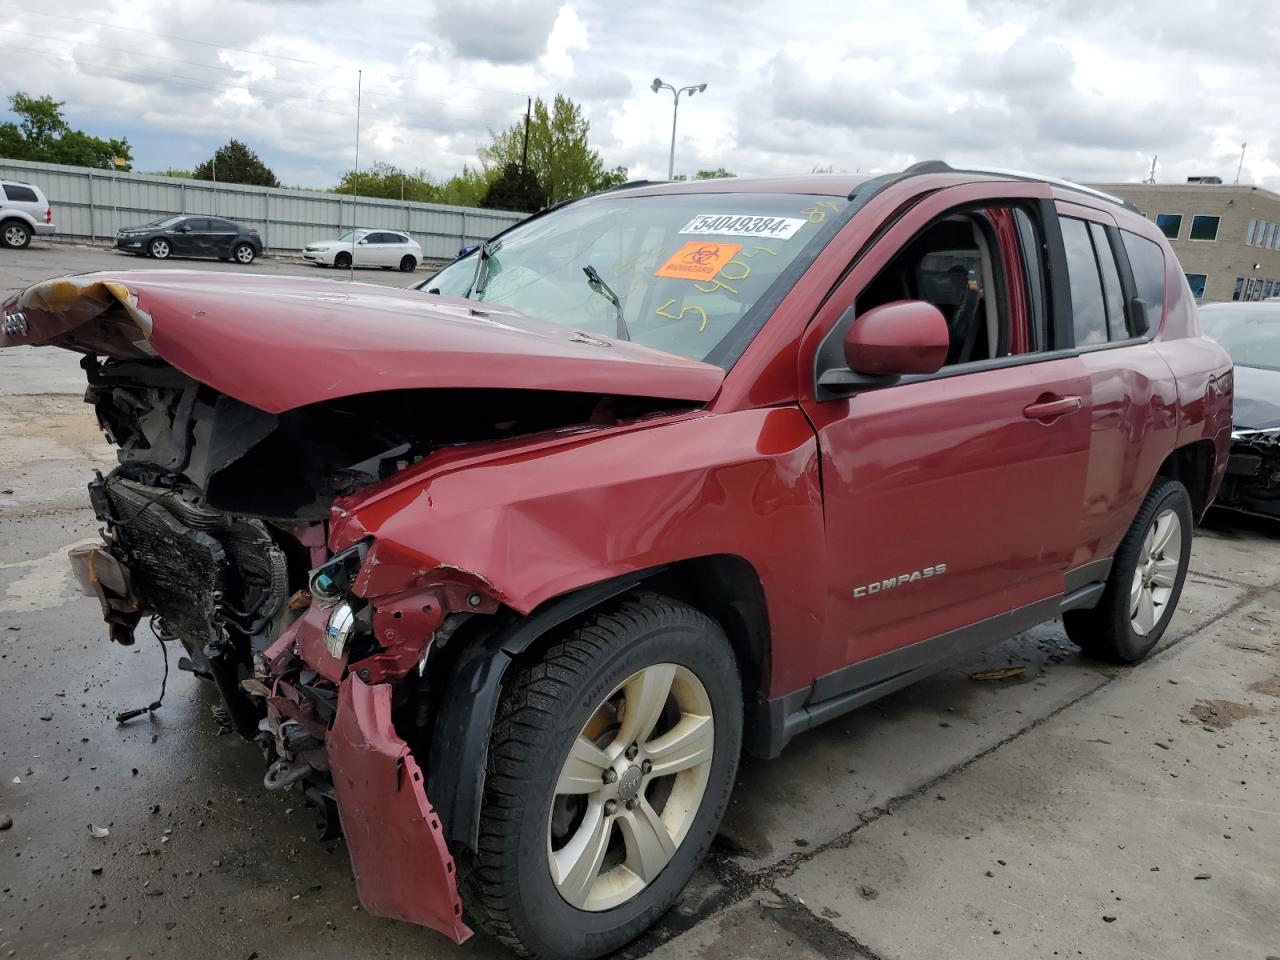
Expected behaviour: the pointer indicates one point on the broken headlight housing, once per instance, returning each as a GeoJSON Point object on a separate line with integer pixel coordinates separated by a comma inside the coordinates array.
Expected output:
{"type": "Point", "coordinates": [331, 582]}
{"type": "Point", "coordinates": [338, 630]}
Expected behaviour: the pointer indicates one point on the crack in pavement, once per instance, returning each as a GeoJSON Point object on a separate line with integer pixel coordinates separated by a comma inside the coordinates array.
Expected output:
{"type": "Point", "coordinates": [738, 884]}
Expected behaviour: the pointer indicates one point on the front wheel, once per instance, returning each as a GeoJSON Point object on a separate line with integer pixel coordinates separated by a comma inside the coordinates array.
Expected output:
{"type": "Point", "coordinates": [342, 261]}
{"type": "Point", "coordinates": [610, 766]}
{"type": "Point", "coordinates": [1145, 583]}
{"type": "Point", "coordinates": [244, 254]}
{"type": "Point", "coordinates": [160, 249]}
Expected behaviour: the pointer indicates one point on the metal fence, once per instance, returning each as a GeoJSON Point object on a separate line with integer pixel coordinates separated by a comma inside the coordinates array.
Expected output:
{"type": "Point", "coordinates": [91, 204]}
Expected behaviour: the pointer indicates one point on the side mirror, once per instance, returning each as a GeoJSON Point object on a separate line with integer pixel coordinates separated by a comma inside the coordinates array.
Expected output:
{"type": "Point", "coordinates": [898, 339]}
{"type": "Point", "coordinates": [185, 228]}
{"type": "Point", "coordinates": [1138, 317]}
{"type": "Point", "coordinates": [362, 241]}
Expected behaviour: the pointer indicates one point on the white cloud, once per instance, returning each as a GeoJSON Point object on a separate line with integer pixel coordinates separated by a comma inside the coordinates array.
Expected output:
{"type": "Point", "coordinates": [1088, 89]}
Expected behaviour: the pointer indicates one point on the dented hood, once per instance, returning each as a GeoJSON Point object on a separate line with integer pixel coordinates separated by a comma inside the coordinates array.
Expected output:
{"type": "Point", "coordinates": [277, 343]}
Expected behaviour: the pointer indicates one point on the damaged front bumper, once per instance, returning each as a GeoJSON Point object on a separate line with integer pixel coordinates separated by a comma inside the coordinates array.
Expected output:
{"type": "Point", "coordinates": [1252, 481]}
{"type": "Point", "coordinates": [402, 866]}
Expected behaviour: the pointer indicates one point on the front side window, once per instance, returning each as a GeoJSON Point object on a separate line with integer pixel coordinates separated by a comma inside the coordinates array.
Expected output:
{"type": "Point", "coordinates": [1170, 224]}
{"type": "Point", "coordinates": [1196, 282]}
{"type": "Point", "coordinates": [1204, 228]}
{"type": "Point", "coordinates": [1146, 262]}
{"type": "Point", "coordinates": [686, 269]}
{"type": "Point", "coordinates": [965, 264]}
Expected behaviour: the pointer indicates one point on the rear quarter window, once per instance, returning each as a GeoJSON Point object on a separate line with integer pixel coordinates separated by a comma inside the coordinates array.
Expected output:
{"type": "Point", "coordinates": [1146, 261]}
{"type": "Point", "coordinates": [20, 194]}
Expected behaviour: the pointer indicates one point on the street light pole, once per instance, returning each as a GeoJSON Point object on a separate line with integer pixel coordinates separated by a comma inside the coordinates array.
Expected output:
{"type": "Point", "coordinates": [675, 112]}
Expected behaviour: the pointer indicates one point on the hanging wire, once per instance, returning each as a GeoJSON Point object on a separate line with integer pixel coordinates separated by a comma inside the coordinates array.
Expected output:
{"type": "Point", "coordinates": [124, 716]}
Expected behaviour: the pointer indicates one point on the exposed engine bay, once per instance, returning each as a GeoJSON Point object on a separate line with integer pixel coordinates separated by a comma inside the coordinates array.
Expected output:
{"type": "Point", "coordinates": [1252, 482]}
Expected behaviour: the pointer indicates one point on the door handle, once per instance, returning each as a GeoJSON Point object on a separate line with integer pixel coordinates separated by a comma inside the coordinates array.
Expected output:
{"type": "Point", "coordinates": [1047, 408]}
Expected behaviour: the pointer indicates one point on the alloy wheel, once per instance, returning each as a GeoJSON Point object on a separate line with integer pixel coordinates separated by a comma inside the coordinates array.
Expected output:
{"type": "Point", "coordinates": [15, 236]}
{"type": "Point", "coordinates": [1156, 572]}
{"type": "Point", "coordinates": [244, 254]}
{"type": "Point", "coordinates": [160, 249]}
{"type": "Point", "coordinates": [631, 787]}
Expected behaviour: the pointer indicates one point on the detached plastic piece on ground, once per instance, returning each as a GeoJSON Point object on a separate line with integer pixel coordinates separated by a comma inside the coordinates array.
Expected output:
{"type": "Point", "coordinates": [402, 867]}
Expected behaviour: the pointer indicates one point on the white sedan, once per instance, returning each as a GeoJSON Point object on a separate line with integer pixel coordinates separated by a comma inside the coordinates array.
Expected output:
{"type": "Point", "coordinates": [371, 248]}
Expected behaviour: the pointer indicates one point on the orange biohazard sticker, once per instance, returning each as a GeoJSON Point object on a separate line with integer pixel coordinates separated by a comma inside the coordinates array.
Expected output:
{"type": "Point", "coordinates": [698, 260]}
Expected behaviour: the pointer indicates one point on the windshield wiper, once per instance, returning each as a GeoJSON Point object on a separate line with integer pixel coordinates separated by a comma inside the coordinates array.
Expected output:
{"type": "Point", "coordinates": [596, 282]}
{"type": "Point", "coordinates": [479, 277]}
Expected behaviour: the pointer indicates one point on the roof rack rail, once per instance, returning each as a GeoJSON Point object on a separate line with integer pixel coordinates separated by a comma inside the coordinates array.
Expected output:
{"type": "Point", "coordinates": [941, 166]}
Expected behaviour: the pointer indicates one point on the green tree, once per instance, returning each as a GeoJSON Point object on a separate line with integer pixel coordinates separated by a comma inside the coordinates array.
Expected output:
{"type": "Point", "coordinates": [717, 174]}
{"type": "Point", "coordinates": [466, 189]}
{"type": "Point", "coordinates": [515, 189]}
{"type": "Point", "coordinates": [389, 182]}
{"type": "Point", "coordinates": [43, 134]}
{"type": "Point", "coordinates": [236, 163]}
{"type": "Point", "coordinates": [560, 155]}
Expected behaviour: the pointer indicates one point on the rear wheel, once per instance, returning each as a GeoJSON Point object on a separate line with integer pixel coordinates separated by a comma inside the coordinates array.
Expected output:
{"type": "Point", "coordinates": [342, 261]}
{"type": "Point", "coordinates": [408, 264]}
{"type": "Point", "coordinates": [244, 253]}
{"type": "Point", "coordinates": [610, 767]}
{"type": "Point", "coordinates": [1145, 582]}
{"type": "Point", "coordinates": [160, 249]}
{"type": "Point", "coordinates": [15, 234]}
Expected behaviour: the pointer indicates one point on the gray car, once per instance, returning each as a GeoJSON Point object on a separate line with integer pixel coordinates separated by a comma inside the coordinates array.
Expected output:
{"type": "Point", "coordinates": [24, 213]}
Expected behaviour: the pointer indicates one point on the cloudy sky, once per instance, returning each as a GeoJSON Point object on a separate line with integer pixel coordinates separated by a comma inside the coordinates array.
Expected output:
{"type": "Point", "coordinates": [1084, 89]}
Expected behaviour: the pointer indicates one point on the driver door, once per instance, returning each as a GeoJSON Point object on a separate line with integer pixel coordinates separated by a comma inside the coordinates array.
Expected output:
{"type": "Point", "coordinates": [953, 501]}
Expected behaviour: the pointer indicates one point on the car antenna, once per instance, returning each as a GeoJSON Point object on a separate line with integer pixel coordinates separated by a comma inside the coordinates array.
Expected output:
{"type": "Point", "coordinates": [355, 182]}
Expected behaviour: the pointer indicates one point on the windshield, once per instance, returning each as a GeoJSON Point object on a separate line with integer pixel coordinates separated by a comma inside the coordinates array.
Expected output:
{"type": "Point", "coordinates": [687, 269]}
{"type": "Point", "coordinates": [350, 235]}
{"type": "Point", "coordinates": [166, 222]}
{"type": "Point", "coordinates": [1251, 334]}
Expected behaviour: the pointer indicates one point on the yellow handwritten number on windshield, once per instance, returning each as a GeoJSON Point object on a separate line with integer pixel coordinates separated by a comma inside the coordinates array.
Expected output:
{"type": "Point", "coordinates": [691, 308]}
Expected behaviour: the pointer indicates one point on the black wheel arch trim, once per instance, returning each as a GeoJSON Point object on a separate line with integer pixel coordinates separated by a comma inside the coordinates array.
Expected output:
{"type": "Point", "coordinates": [460, 738]}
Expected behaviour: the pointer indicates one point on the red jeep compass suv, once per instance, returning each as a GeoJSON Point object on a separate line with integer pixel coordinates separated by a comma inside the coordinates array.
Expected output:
{"type": "Point", "coordinates": [506, 570]}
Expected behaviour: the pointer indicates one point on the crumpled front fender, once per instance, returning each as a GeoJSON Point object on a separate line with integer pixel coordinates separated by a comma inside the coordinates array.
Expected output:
{"type": "Point", "coordinates": [403, 868]}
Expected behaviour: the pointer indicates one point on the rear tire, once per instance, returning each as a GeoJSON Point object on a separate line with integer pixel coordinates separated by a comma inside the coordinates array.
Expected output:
{"type": "Point", "coordinates": [15, 234]}
{"type": "Point", "coordinates": [342, 261]}
{"type": "Point", "coordinates": [1145, 583]}
{"type": "Point", "coordinates": [408, 264]}
{"type": "Point", "coordinates": [244, 254]}
{"type": "Point", "coordinates": [644, 656]}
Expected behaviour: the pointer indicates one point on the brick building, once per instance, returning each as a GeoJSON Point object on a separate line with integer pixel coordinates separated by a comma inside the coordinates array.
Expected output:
{"type": "Point", "coordinates": [1227, 237]}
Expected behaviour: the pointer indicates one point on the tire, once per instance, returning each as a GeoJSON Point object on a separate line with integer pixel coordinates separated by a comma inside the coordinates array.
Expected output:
{"type": "Point", "coordinates": [160, 249]}
{"type": "Point", "coordinates": [15, 234]}
{"type": "Point", "coordinates": [1145, 582]}
{"type": "Point", "coordinates": [342, 261]}
{"type": "Point", "coordinates": [244, 254]}
{"type": "Point", "coordinates": [561, 701]}
{"type": "Point", "coordinates": [408, 264]}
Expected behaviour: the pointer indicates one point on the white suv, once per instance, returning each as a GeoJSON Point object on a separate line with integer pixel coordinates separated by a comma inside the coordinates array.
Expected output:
{"type": "Point", "coordinates": [24, 211]}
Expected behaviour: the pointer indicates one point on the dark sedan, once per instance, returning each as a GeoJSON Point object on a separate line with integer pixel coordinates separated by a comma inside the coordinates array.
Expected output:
{"type": "Point", "coordinates": [1250, 332]}
{"type": "Point", "coordinates": [184, 236]}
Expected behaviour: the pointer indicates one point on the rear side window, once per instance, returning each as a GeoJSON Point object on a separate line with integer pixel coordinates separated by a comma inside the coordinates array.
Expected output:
{"type": "Point", "coordinates": [1112, 292]}
{"type": "Point", "coordinates": [1146, 260]}
{"type": "Point", "coordinates": [20, 194]}
{"type": "Point", "coordinates": [223, 226]}
{"type": "Point", "coordinates": [1088, 311]}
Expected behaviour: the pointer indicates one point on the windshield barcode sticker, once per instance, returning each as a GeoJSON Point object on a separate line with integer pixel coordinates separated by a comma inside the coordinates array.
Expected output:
{"type": "Point", "coordinates": [737, 225]}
